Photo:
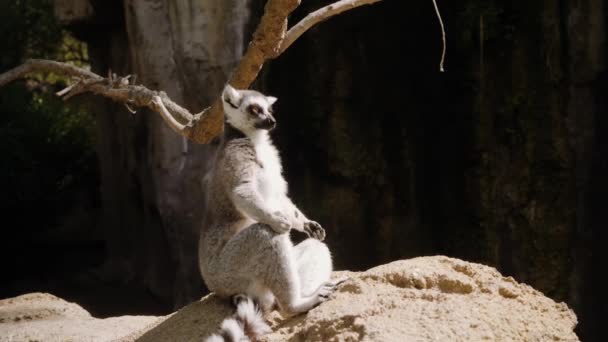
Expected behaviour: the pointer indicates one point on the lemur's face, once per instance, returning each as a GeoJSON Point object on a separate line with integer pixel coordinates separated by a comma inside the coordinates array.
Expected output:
{"type": "Point", "coordinates": [248, 110]}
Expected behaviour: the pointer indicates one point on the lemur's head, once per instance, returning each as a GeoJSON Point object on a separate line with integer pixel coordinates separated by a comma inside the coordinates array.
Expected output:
{"type": "Point", "coordinates": [248, 110]}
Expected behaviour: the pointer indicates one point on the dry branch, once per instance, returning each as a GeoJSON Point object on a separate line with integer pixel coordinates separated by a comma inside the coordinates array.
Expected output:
{"type": "Point", "coordinates": [115, 88]}
{"type": "Point", "coordinates": [265, 45]}
{"type": "Point", "coordinates": [270, 40]}
{"type": "Point", "coordinates": [201, 127]}
{"type": "Point", "coordinates": [40, 65]}
{"type": "Point", "coordinates": [442, 35]}
{"type": "Point", "coordinates": [318, 16]}
{"type": "Point", "coordinates": [336, 8]}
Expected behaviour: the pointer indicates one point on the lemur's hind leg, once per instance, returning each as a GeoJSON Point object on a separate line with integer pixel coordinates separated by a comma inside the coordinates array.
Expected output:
{"type": "Point", "coordinates": [258, 261]}
{"type": "Point", "coordinates": [282, 274]}
{"type": "Point", "coordinates": [314, 265]}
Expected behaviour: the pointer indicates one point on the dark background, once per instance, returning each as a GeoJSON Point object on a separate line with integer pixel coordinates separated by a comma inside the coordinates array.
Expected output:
{"type": "Point", "coordinates": [500, 160]}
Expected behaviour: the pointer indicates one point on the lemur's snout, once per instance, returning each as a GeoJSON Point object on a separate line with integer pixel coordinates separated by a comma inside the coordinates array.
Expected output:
{"type": "Point", "coordinates": [268, 123]}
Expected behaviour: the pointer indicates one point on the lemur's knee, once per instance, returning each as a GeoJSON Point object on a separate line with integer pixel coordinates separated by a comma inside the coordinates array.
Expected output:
{"type": "Point", "coordinates": [312, 251]}
{"type": "Point", "coordinates": [314, 265]}
{"type": "Point", "coordinates": [313, 246]}
{"type": "Point", "coordinates": [312, 243]}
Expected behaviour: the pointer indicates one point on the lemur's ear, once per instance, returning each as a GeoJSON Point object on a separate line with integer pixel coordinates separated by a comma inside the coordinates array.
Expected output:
{"type": "Point", "coordinates": [271, 100]}
{"type": "Point", "coordinates": [231, 95]}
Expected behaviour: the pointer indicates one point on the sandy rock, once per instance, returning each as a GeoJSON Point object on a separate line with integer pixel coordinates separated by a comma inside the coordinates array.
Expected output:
{"type": "Point", "coordinates": [421, 299]}
{"type": "Point", "coordinates": [44, 317]}
{"type": "Point", "coordinates": [433, 299]}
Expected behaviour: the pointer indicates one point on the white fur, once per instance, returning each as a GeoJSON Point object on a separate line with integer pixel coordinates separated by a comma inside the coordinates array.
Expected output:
{"type": "Point", "coordinates": [231, 329]}
{"type": "Point", "coordinates": [262, 295]}
{"type": "Point", "coordinates": [214, 338]}
{"type": "Point", "coordinates": [271, 100]}
{"type": "Point", "coordinates": [251, 316]}
{"type": "Point", "coordinates": [271, 184]}
{"type": "Point", "coordinates": [314, 264]}
{"type": "Point", "coordinates": [246, 315]}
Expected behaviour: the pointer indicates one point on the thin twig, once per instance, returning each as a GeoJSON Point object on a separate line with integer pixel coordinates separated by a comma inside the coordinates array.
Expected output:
{"type": "Point", "coordinates": [442, 35]}
{"type": "Point", "coordinates": [157, 102]}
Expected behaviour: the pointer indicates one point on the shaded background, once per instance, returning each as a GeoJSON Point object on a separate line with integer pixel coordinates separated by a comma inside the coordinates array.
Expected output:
{"type": "Point", "coordinates": [500, 160]}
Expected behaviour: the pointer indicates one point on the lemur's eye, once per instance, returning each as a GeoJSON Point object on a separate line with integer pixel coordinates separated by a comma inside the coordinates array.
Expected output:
{"type": "Point", "coordinates": [254, 110]}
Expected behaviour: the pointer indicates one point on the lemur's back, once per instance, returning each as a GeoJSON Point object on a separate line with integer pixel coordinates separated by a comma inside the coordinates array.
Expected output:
{"type": "Point", "coordinates": [223, 219]}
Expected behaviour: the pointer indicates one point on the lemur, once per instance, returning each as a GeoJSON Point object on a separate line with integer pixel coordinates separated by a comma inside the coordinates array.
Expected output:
{"type": "Point", "coordinates": [245, 251]}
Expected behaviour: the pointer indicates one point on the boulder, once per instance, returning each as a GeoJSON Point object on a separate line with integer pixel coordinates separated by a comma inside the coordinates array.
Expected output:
{"type": "Point", "coordinates": [422, 299]}
{"type": "Point", "coordinates": [44, 317]}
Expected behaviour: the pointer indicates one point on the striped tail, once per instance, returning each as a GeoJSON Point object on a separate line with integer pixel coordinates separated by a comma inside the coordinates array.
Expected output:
{"type": "Point", "coordinates": [246, 325]}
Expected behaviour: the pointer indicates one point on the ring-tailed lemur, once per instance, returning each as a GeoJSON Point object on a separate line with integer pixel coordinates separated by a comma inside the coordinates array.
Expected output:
{"type": "Point", "coordinates": [245, 246]}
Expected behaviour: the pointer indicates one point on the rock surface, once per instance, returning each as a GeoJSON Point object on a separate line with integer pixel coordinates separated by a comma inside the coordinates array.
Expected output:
{"type": "Point", "coordinates": [44, 317]}
{"type": "Point", "coordinates": [421, 299]}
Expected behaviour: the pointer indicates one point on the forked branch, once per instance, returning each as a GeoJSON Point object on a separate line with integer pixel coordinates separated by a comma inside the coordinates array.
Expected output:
{"type": "Point", "coordinates": [270, 39]}
{"type": "Point", "coordinates": [336, 8]}
{"type": "Point", "coordinates": [318, 16]}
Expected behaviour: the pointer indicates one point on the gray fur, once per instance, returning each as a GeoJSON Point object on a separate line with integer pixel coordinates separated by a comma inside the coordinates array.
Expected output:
{"type": "Point", "coordinates": [245, 246]}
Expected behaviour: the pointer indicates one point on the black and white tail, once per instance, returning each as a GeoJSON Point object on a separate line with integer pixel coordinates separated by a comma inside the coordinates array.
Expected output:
{"type": "Point", "coordinates": [247, 324]}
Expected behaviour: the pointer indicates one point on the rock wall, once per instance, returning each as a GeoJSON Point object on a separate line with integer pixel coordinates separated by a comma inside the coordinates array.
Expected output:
{"type": "Point", "coordinates": [496, 160]}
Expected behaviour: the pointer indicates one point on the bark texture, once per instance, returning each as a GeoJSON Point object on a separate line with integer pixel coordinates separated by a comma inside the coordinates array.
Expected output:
{"type": "Point", "coordinates": [151, 178]}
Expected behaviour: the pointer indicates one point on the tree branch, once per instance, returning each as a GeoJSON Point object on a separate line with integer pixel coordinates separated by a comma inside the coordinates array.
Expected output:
{"type": "Point", "coordinates": [318, 16]}
{"type": "Point", "coordinates": [270, 40]}
{"type": "Point", "coordinates": [266, 41]}
{"type": "Point", "coordinates": [115, 88]}
{"type": "Point", "coordinates": [40, 65]}
{"type": "Point", "coordinates": [265, 45]}
{"type": "Point", "coordinates": [336, 8]}
{"type": "Point", "coordinates": [159, 106]}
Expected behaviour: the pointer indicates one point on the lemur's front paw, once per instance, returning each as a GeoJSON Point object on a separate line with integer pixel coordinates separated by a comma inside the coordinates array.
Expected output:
{"type": "Point", "coordinates": [314, 230]}
{"type": "Point", "coordinates": [280, 223]}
